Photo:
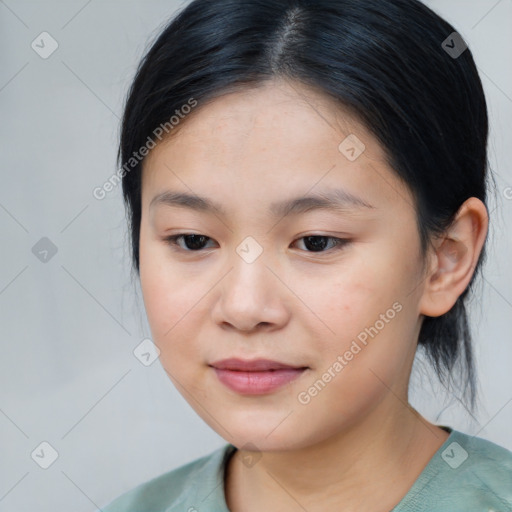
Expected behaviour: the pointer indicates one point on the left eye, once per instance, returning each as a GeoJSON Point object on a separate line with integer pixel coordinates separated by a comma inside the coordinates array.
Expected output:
{"type": "Point", "coordinates": [313, 243]}
{"type": "Point", "coordinates": [318, 242]}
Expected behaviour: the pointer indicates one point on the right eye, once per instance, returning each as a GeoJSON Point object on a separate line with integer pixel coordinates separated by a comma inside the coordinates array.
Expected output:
{"type": "Point", "coordinates": [193, 242]}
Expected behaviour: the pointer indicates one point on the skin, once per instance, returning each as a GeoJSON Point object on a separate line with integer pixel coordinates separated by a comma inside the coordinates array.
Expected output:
{"type": "Point", "coordinates": [358, 441]}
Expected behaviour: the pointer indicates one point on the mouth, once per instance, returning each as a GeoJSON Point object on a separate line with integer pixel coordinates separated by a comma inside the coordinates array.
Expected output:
{"type": "Point", "coordinates": [256, 377]}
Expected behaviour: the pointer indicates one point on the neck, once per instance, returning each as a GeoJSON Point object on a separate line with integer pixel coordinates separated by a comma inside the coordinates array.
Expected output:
{"type": "Point", "coordinates": [368, 466]}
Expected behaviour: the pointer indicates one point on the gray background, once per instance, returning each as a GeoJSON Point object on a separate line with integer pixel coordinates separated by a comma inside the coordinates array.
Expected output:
{"type": "Point", "coordinates": [68, 326]}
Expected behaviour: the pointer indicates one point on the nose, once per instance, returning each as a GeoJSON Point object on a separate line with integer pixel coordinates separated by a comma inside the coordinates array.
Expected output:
{"type": "Point", "coordinates": [251, 298]}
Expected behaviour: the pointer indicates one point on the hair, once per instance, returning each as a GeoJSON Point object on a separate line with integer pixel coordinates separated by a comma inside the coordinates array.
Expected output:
{"type": "Point", "coordinates": [383, 60]}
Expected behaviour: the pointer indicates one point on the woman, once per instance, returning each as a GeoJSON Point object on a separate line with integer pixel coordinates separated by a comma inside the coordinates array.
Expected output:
{"type": "Point", "coordinates": [306, 183]}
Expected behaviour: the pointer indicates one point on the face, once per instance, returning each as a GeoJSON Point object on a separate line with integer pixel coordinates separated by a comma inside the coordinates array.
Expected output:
{"type": "Point", "coordinates": [333, 289]}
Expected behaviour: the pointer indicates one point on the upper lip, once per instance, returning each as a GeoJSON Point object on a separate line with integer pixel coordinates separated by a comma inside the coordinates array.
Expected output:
{"type": "Point", "coordinates": [252, 365]}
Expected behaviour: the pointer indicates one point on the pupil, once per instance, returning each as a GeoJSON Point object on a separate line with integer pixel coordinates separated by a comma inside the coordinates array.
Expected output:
{"type": "Point", "coordinates": [194, 237]}
{"type": "Point", "coordinates": [317, 242]}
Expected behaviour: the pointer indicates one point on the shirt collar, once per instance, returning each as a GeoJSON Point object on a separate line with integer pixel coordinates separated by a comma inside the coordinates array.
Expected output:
{"type": "Point", "coordinates": [205, 484]}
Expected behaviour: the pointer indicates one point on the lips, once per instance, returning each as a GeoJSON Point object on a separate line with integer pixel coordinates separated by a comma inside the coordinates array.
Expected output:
{"type": "Point", "coordinates": [255, 365]}
{"type": "Point", "coordinates": [257, 376]}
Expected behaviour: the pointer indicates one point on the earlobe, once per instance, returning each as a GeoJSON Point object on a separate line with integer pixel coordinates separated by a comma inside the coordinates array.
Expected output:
{"type": "Point", "coordinates": [455, 256]}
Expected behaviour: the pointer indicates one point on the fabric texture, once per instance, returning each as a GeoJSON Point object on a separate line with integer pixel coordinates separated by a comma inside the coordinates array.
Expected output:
{"type": "Point", "coordinates": [466, 474]}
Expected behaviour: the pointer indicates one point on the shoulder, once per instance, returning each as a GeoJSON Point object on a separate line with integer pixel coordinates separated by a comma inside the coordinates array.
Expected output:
{"type": "Point", "coordinates": [470, 473]}
{"type": "Point", "coordinates": [486, 466]}
{"type": "Point", "coordinates": [180, 486]}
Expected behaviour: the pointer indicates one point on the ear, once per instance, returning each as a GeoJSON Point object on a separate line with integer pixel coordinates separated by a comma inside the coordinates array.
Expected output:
{"type": "Point", "coordinates": [454, 257]}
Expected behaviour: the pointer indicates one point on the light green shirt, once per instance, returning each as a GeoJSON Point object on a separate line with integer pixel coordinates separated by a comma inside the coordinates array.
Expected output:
{"type": "Point", "coordinates": [466, 474]}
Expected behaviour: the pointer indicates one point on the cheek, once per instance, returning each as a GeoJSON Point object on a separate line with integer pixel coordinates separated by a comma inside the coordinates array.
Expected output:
{"type": "Point", "coordinates": [169, 307]}
{"type": "Point", "coordinates": [346, 299]}
{"type": "Point", "coordinates": [369, 317]}
{"type": "Point", "coordinates": [169, 297]}
{"type": "Point", "coordinates": [172, 315]}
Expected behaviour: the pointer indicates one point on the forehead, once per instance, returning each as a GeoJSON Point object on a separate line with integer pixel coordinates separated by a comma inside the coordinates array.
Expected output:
{"type": "Point", "coordinates": [280, 139]}
{"type": "Point", "coordinates": [295, 112]}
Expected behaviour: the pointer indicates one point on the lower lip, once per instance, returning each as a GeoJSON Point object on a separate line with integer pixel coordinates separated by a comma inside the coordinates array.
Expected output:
{"type": "Point", "coordinates": [257, 383]}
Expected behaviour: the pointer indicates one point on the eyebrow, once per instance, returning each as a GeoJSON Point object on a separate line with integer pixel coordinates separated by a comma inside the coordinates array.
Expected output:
{"type": "Point", "coordinates": [333, 199]}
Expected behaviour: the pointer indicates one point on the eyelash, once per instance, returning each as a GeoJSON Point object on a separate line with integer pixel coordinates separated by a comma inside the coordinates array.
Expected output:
{"type": "Point", "coordinates": [339, 244]}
